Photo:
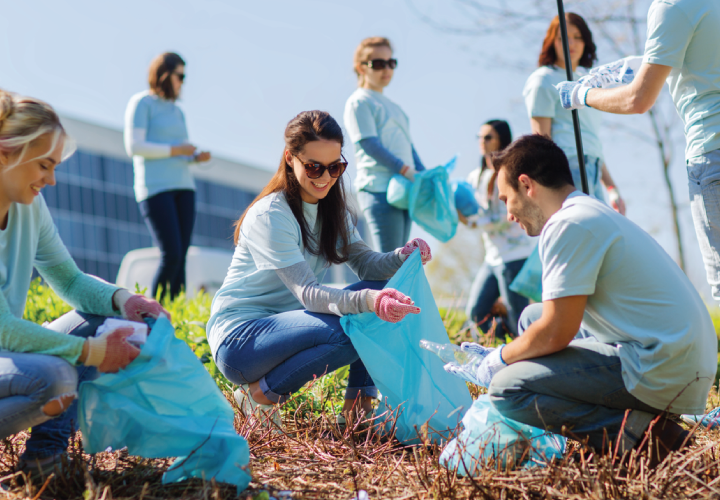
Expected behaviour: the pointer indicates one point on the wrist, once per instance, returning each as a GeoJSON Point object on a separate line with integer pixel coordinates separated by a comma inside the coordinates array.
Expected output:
{"type": "Point", "coordinates": [119, 299]}
{"type": "Point", "coordinates": [96, 349]}
{"type": "Point", "coordinates": [404, 169]}
{"type": "Point", "coordinates": [500, 349]}
{"type": "Point", "coordinates": [583, 93]}
{"type": "Point", "coordinates": [370, 299]}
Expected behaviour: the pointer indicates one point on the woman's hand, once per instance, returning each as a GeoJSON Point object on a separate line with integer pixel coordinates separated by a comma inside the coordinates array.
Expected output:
{"type": "Point", "coordinates": [203, 156]}
{"type": "Point", "coordinates": [408, 172]}
{"type": "Point", "coordinates": [110, 352]}
{"type": "Point", "coordinates": [616, 200]}
{"type": "Point", "coordinates": [182, 150]}
{"type": "Point", "coordinates": [409, 248]}
{"type": "Point", "coordinates": [136, 307]}
{"type": "Point", "coordinates": [391, 305]}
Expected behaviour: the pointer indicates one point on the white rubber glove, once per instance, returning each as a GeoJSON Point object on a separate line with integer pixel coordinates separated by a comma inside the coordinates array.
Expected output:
{"type": "Point", "coordinates": [480, 375]}
{"type": "Point", "coordinates": [573, 95]}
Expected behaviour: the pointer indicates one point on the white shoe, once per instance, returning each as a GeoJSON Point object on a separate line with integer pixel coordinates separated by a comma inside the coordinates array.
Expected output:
{"type": "Point", "coordinates": [262, 412]}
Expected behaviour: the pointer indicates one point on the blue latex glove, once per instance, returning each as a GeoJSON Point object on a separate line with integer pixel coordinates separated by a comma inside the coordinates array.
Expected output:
{"type": "Point", "coordinates": [573, 95]}
{"type": "Point", "coordinates": [489, 363]}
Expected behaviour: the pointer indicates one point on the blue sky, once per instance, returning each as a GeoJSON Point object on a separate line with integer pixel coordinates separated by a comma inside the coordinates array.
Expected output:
{"type": "Point", "coordinates": [253, 65]}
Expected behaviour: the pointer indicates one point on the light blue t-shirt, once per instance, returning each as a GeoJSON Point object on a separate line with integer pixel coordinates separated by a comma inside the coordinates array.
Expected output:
{"type": "Point", "coordinates": [638, 299]}
{"type": "Point", "coordinates": [270, 239]}
{"type": "Point", "coordinates": [543, 101]}
{"type": "Point", "coordinates": [685, 35]}
{"type": "Point", "coordinates": [164, 123]}
{"type": "Point", "coordinates": [30, 239]}
{"type": "Point", "coordinates": [371, 114]}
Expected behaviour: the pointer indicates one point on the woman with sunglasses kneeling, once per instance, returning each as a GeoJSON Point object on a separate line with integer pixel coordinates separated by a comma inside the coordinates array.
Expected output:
{"type": "Point", "coordinates": [273, 326]}
{"type": "Point", "coordinates": [380, 131]}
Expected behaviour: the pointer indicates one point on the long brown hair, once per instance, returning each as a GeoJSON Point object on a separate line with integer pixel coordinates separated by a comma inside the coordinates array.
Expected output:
{"type": "Point", "coordinates": [333, 210]}
{"type": "Point", "coordinates": [548, 55]}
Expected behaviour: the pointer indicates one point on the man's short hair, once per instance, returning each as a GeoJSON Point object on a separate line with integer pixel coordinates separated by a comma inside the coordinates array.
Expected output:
{"type": "Point", "coordinates": [537, 157]}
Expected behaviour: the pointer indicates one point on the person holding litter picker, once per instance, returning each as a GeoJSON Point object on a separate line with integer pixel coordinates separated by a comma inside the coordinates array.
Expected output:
{"type": "Point", "coordinates": [273, 326]}
{"type": "Point", "coordinates": [654, 351]}
{"type": "Point", "coordinates": [548, 117]}
{"type": "Point", "coordinates": [683, 37]}
{"type": "Point", "coordinates": [380, 131]}
{"type": "Point", "coordinates": [42, 366]}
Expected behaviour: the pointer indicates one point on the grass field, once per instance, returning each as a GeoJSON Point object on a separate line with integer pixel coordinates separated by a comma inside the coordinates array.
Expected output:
{"type": "Point", "coordinates": [315, 459]}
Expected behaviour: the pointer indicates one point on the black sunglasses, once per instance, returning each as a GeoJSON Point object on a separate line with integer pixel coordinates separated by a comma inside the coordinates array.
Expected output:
{"type": "Point", "coordinates": [181, 76]}
{"type": "Point", "coordinates": [488, 137]}
{"type": "Point", "coordinates": [317, 170]}
{"type": "Point", "coordinates": [381, 63]}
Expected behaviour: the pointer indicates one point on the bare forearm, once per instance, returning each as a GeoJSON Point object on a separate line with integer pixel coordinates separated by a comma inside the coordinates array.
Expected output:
{"type": "Point", "coordinates": [605, 176]}
{"type": "Point", "coordinates": [621, 101]}
{"type": "Point", "coordinates": [538, 340]}
{"type": "Point", "coordinates": [635, 98]}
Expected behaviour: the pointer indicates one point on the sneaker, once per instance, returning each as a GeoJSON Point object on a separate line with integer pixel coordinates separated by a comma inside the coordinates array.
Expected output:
{"type": "Point", "coordinates": [709, 421]}
{"type": "Point", "coordinates": [263, 412]}
{"type": "Point", "coordinates": [666, 436]}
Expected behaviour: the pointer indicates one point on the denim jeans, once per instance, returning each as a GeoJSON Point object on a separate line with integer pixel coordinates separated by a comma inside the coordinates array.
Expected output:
{"type": "Point", "coordinates": [594, 174]}
{"type": "Point", "coordinates": [490, 283]}
{"type": "Point", "coordinates": [704, 185]}
{"type": "Point", "coordinates": [287, 350]}
{"type": "Point", "coordinates": [51, 436]}
{"type": "Point", "coordinates": [170, 217]}
{"type": "Point", "coordinates": [580, 388]}
{"type": "Point", "coordinates": [389, 226]}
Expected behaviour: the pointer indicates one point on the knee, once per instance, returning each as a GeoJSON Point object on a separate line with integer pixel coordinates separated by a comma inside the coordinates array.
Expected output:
{"type": "Point", "coordinates": [57, 386]}
{"type": "Point", "coordinates": [506, 388]}
{"type": "Point", "coordinates": [57, 405]}
{"type": "Point", "coordinates": [529, 315]}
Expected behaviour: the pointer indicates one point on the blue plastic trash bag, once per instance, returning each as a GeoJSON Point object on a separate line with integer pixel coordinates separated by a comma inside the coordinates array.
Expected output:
{"type": "Point", "coordinates": [405, 373]}
{"type": "Point", "coordinates": [490, 436]}
{"type": "Point", "coordinates": [165, 404]}
{"type": "Point", "coordinates": [432, 203]}
{"type": "Point", "coordinates": [528, 281]}
{"type": "Point", "coordinates": [398, 193]}
{"type": "Point", "coordinates": [465, 200]}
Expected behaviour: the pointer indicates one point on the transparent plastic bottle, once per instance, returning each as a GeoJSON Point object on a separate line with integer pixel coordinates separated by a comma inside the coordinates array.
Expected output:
{"type": "Point", "coordinates": [450, 353]}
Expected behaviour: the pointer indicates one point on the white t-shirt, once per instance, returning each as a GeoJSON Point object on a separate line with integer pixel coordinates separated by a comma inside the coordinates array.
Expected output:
{"type": "Point", "coordinates": [504, 241]}
{"type": "Point", "coordinates": [371, 114]}
{"type": "Point", "coordinates": [270, 239]}
{"type": "Point", "coordinates": [638, 299]}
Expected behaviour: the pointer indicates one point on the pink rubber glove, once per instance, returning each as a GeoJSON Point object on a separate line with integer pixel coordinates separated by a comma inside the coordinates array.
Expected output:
{"type": "Point", "coordinates": [136, 307]}
{"type": "Point", "coordinates": [391, 305]}
{"type": "Point", "coordinates": [111, 351]}
{"type": "Point", "coordinates": [409, 248]}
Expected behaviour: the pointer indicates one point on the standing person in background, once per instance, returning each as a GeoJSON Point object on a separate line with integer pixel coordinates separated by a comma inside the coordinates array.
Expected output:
{"type": "Point", "coordinates": [380, 131]}
{"type": "Point", "coordinates": [548, 117]}
{"type": "Point", "coordinates": [156, 137]}
{"type": "Point", "coordinates": [506, 244]}
{"type": "Point", "coordinates": [41, 366]}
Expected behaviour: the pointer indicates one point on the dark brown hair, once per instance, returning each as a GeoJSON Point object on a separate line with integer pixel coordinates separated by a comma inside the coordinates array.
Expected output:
{"type": "Point", "coordinates": [548, 56]}
{"type": "Point", "coordinates": [536, 156]}
{"type": "Point", "coordinates": [159, 74]}
{"type": "Point", "coordinates": [333, 210]}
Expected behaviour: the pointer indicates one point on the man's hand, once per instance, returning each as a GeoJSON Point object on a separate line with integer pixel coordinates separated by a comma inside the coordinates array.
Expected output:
{"type": "Point", "coordinates": [483, 374]}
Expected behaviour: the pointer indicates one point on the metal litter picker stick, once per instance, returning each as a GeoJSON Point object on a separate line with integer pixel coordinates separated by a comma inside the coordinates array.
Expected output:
{"type": "Point", "coordinates": [575, 115]}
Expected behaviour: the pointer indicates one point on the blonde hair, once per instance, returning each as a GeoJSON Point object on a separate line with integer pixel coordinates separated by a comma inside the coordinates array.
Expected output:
{"type": "Point", "coordinates": [23, 120]}
{"type": "Point", "coordinates": [363, 51]}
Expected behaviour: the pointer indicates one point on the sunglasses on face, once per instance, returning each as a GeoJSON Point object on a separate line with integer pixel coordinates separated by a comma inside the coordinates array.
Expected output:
{"type": "Point", "coordinates": [317, 170]}
{"type": "Point", "coordinates": [181, 76]}
{"type": "Point", "coordinates": [381, 63]}
{"type": "Point", "coordinates": [485, 138]}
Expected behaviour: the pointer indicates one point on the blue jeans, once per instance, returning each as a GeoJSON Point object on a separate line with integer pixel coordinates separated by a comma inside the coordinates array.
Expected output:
{"type": "Point", "coordinates": [28, 381]}
{"type": "Point", "coordinates": [389, 226]}
{"type": "Point", "coordinates": [704, 185]}
{"type": "Point", "coordinates": [580, 387]}
{"type": "Point", "coordinates": [287, 350]}
{"type": "Point", "coordinates": [170, 217]}
{"type": "Point", "coordinates": [594, 175]}
{"type": "Point", "coordinates": [490, 283]}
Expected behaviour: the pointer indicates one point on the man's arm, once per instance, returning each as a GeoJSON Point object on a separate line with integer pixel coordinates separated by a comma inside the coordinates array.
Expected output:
{"type": "Point", "coordinates": [558, 325]}
{"type": "Point", "coordinates": [635, 98]}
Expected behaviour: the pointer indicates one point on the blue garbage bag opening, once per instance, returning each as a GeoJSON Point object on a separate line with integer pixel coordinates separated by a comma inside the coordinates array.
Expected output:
{"type": "Point", "coordinates": [464, 195]}
{"type": "Point", "coordinates": [528, 281]}
{"type": "Point", "coordinates": [165, 404]}
{"type": "Point", "coordinates": [489, 436]}
{"type": "Point", "coordinates": [398, 193]}
{"type": "Point", "coordinates": [432, 203]}
{"type": "Point", "coordinates": [412, 380]}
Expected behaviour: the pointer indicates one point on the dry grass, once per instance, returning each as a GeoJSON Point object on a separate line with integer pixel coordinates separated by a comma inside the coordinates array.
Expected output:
{"type": "Point", "coordinates": [315, 459]}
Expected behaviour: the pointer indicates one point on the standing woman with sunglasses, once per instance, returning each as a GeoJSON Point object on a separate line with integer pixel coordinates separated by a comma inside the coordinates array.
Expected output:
{"type": "Point", "coordinates": [273, 326]}
{"type": "Point", "coordinates": [548, 117]}
{"type": "Point", "coordinates": [157, 140]}
{"type": "Point", "coordinates": [380, 131]}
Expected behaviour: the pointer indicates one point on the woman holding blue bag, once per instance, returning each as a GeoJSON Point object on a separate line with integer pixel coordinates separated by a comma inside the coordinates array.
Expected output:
{"type": "Point", "coordinates": [380, 131]}
{"type": "Point", "coordinates": [506, 244]}
{"type": "Point", "coordinates": [42, 366]}
{"type": "Point", "coordinates": [273, 326]}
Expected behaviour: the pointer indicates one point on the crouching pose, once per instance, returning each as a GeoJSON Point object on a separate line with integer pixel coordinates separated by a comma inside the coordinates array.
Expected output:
{"type": "Point", "coordinates": [604, 277]}
{"type": "Point", "coordinates": [273, 327]}
{"type": "Point", "coordinates": [41, 367]}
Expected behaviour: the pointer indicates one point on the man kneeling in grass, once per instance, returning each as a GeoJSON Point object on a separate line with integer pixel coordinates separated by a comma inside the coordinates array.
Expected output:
{"type": "Point", "coordinates": [644, 342]}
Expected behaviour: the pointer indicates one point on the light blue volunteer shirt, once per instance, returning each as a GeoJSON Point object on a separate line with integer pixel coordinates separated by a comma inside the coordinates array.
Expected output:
{"type": "Point", "coordinates": [685, 35]}
{"type": "Point", "coordinates": [29, 239]}
{"type": "Point", "coordinates": [270, 239]}
{"type": "Point", "coordinates": [543, 101]}
{"type": "Point", "coordinates": [164, 123]}
{"type": "Point", "coordinates": [638, 298]}
{"type": "Point", "coordinates": [371, 114]}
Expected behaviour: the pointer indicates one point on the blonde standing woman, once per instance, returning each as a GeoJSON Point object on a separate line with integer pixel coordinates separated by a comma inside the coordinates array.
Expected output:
{"type": "Point", "coordinates": [380, 131]}
{"type": "Point", "coordinates": [41, 367]}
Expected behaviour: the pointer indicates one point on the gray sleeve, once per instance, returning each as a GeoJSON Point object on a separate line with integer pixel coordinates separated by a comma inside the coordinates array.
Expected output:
{"type": "Point", "coordinates": [369, 265]}
{"type": "Point", "coordinates": [301, 281]}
